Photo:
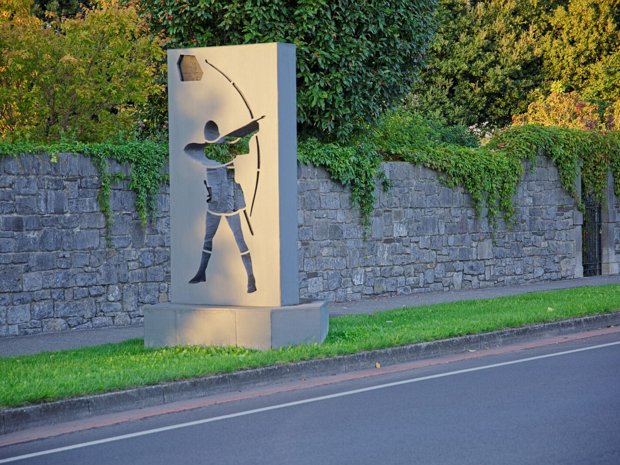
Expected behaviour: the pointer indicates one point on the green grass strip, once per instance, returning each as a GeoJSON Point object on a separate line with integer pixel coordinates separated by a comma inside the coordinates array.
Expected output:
{"type": "Point", "coordinates": [56, 375]}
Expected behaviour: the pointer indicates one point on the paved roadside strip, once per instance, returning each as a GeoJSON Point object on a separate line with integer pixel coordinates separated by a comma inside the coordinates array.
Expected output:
{"type": "Point", "coordinates": [22, 418]}
{"type": "Point", "coordinates": [304, 391]}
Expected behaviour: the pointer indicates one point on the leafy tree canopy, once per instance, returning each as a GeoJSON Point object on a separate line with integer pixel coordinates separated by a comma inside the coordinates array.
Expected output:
{"type": "Point", "coordinates": [565, 110]}
{"type": "Point", "coordinates": [75, 79]}
{"type": "Point", "coordinates": [62, 8]}
{"type": "Point", "coordinates": [354, 59]}
{"type": "Point", "coordinates": [491, 58]}
{"type": "Point", "coordinates": [581, 48]}
{"type": "Point", "coordinates": [483, 62]}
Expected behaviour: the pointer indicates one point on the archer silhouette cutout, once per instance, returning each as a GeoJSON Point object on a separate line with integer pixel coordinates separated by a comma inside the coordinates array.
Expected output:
{"type": "Point", "coordinates": [224, 195]}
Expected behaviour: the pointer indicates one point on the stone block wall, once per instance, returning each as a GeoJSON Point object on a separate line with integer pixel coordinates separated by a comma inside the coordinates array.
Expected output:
{"type": "Point", "coordinates": [425, 236]}
{"type": "Point", "coordinates": [617, 242]}
{"type": "Point", "coordinates": [617, 236]}
{"type": "Point", "coordinates": [611, 231]}
{"type": "Point", "coordinates": [56, 271]}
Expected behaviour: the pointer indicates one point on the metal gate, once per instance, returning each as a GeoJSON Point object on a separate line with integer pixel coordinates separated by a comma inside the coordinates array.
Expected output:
{"type": "Point", "coordinates": [591, 235]}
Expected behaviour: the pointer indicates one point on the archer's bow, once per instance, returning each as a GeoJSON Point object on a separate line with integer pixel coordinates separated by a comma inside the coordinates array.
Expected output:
{"type": "Point", "coordinates": [248, 128]}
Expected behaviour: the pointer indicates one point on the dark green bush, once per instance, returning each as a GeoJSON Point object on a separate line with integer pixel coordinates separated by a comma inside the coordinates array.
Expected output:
{"type": "Point", "coordinates": [456, 135]}
{"type": "Point", "coordinates": [483, 62]}
{"type": "Point", "coordinates": [491, 58]}
{"type": "Point", "coordinates": [64, 8]}
{"type": "Point", "coordinates": [354, 59]}
{"type": "Point", "coordinates": [403, 129]}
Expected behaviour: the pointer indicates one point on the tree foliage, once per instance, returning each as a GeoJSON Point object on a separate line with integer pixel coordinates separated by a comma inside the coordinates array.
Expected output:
{"type": "Point", "coordinates": [354, 59]}
{"type": "Point", "coordinates": [582, 48]}
{"type": "Point", "coordinates": [62, 8]}
{"type": "Point", "coordinates": [565, 110]}
{"type": "Point", "coordinates": [491, 58]}
{"type": "Point", "coordinates": [75, 79]}
{"type": "Point", "coordinates": [483, 62]}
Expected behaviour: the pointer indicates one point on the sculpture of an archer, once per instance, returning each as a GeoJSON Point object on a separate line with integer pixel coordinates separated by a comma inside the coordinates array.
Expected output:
{"type": "Point", "coordinates": [224, 195]}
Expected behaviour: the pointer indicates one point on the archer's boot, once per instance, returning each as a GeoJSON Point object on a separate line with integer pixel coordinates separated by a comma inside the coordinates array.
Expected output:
{"type": "Point", "coordinates": [247, 263]}
{"type": "Point", "coordinates": [200, 276]}
{"type": "Point", "coordinates": [251, 284]}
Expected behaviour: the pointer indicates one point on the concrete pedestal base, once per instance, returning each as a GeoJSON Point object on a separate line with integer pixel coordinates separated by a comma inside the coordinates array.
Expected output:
{"type": "Point", "coordinates": [260, 328]}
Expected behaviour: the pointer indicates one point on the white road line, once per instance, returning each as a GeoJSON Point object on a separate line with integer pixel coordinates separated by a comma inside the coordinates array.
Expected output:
{"type": "Point", "coordinates": [299, 402]}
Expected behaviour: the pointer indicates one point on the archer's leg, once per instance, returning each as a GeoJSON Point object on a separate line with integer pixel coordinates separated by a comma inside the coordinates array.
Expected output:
{"type": "Point", "coordinates": [212, 223]}
{"type": "Point", "coordinates": [235, 226]}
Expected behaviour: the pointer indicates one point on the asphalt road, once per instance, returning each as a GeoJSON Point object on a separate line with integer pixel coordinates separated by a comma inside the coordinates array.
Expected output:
{"type": "Point", "coordinates": [558, 404]}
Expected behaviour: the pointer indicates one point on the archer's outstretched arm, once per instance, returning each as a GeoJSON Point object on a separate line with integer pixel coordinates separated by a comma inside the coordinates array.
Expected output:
{"type": "Point", "coordinates": [210, 155]}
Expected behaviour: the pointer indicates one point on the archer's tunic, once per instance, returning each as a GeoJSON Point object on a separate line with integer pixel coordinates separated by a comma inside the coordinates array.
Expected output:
{"type": "Point", "coordinates": [226, 193]}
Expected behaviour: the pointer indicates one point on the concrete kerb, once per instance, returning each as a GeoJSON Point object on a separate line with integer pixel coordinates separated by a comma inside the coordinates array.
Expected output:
{"type": "Point", "coordinates": [17, 419]}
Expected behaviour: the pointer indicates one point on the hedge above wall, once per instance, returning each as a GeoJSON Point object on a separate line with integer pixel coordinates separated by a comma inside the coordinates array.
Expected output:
{"type": "Point", "coordinates": [591, 154]}
{"type": "Point", "coordinates": [490, 174]}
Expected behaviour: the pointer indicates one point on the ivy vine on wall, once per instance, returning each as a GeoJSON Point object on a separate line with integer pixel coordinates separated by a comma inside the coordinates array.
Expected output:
{"type": "Point", "coordinates": [591, 154]}
{"type": "Point", "coordinates": [146, 161]}
{"type": "Point", "coordinates": [490, 174]}
{"type": "Point", "coordinates": [355, 166]}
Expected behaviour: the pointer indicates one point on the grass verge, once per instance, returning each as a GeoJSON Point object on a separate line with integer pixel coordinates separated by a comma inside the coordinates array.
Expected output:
{"type": "Point", "coordinates": [56, 375]}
